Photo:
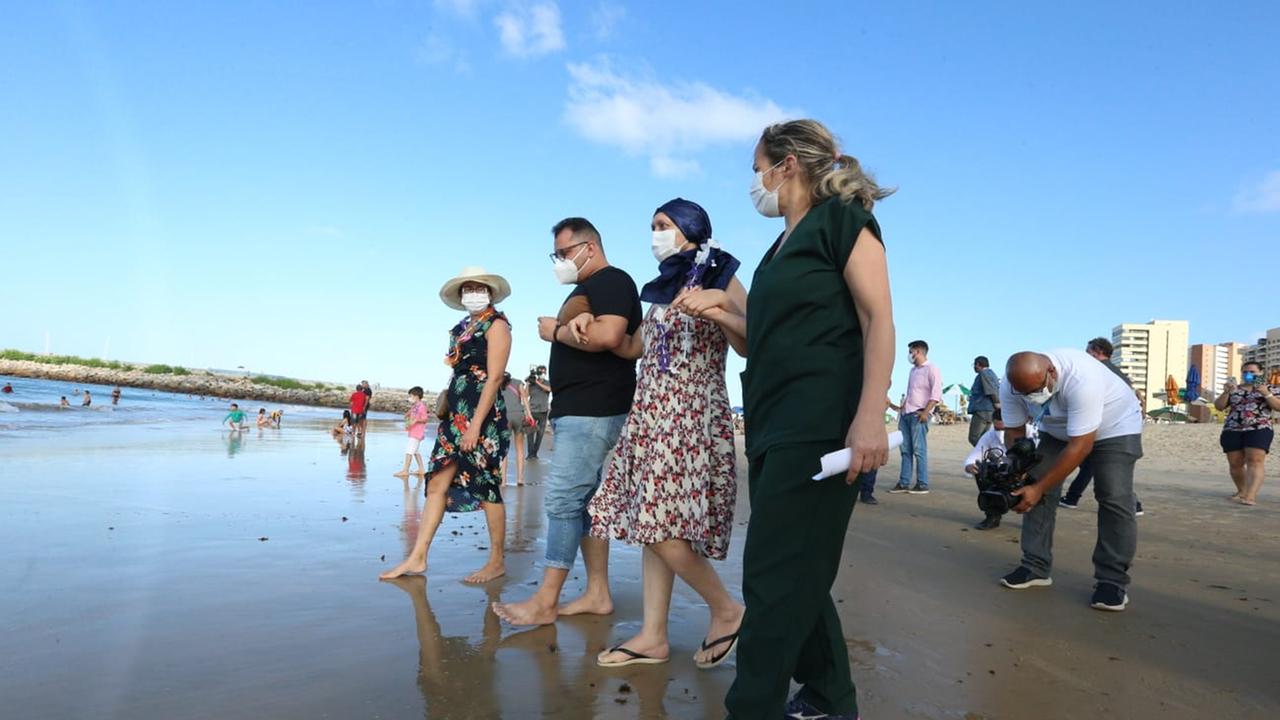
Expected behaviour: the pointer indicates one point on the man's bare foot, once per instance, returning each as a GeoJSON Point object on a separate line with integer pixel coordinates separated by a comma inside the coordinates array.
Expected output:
{"type": "Point", "coordinates": [656, 648]}
{"type": "Point", "coordinates": [593, 604]}
{"type": "Point", "coordinates": [1246, 501]}
{"type": "Point", "coordinates": [410, 566]}
{"type": "Point", "coordinates": [720, 627]}
{"type": "Point", "coordinates": [401, 474]}
{"type": "Point", "coordinates": [491, 571]}
{"type": "Point", "coordinates": [529, 612]}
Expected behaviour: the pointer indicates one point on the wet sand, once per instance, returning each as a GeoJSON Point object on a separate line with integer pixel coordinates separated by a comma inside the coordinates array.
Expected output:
{"type": "Point", "coordinates": [136, 583]}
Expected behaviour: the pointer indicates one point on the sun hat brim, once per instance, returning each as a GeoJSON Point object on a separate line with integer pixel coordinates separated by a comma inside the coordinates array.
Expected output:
{"type": "Point", "coordinates": [450, 292]}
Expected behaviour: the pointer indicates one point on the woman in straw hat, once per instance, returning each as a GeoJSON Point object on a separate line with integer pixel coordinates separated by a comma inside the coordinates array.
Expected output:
{"type": "Point", "coordinates": [465, 470]}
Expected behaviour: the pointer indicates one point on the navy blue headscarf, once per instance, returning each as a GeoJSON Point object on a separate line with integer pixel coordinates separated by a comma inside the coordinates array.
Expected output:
{"type": "Point", "coordinates": [681, 270]}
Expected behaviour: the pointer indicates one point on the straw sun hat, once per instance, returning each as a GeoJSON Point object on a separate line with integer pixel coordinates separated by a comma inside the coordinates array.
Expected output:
{"type": "Point", "coordinates": [499, 288]}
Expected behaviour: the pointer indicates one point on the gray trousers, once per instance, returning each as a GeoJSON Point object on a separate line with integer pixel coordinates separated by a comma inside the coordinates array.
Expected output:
{"type": "Point", "coordinates": [1112, 461]}
{"type": "Point", "coordinates": [979, 423]}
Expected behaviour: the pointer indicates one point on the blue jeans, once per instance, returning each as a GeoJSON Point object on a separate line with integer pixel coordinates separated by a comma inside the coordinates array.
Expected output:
{"type": "Point", "coordinates": [915, 450]}
{"type": "Point", "coordinates": [581, 446]}
{"type": "Point", "coordinates": [868, 483]}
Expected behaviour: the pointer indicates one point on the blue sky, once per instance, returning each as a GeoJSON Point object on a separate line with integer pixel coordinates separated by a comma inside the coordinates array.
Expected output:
{"type": "Point", "coordinates": [286, 187]}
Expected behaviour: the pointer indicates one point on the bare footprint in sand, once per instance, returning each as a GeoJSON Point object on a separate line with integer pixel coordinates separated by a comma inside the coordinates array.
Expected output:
{"type": "Point", "coordinates": [408, 567]}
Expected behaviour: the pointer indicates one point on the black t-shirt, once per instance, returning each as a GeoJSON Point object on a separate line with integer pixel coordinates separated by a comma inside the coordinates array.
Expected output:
{"type": "Point", "coordinates": [597, 384]}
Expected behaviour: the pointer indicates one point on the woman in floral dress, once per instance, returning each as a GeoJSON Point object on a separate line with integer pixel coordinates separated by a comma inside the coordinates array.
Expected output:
{"type": "Point", "coordinates": [671, 484]}
{"type": "Point", "coordinates": [464, 472]}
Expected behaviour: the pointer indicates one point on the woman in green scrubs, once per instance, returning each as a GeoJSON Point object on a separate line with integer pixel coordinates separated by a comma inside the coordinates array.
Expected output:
{"type": "Point", "coordinates": [818, 331]}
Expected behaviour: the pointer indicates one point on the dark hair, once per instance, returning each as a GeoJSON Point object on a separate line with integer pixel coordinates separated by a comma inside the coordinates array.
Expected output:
{"type": "Point", "coordinates": [981, 361]}
{"type": "Point", "coordinates": [1101, 345]}
{"type": "Point", "coordinates": [346, 414]}
{"type": "Point", "coordinates": [416, 391]}
{"type": "Point", "coordinates": [918, 345]}
{"type": "Point", "coordinates": [232, 404]}
{"type": "Point", "coordinates": [261, 410]}
{"type": "Point", "coordinates": [1254, 363]}
{"type": "Point", "coordinates": [582, 229]}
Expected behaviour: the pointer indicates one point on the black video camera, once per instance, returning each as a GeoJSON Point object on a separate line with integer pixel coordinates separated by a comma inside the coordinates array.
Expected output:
{"type": "Point", "coordinates": [1001, 472]}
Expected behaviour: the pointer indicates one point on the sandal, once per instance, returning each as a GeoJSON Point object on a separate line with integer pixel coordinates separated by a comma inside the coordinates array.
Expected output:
{"type": "Point", "coordinates": [717, 659]}
{"type": "Point", "coordinates": [634, 658]}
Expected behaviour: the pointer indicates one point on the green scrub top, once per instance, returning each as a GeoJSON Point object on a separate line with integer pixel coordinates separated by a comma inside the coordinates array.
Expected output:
{"type": "Point", "coordinates": [804, 343]}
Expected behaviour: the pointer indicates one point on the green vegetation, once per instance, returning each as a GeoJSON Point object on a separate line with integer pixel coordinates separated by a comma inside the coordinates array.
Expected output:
{"type": "Point", "coordinates": [165, 370]}
{"type": "Point", "coordinates": [283, 383]}
{"type": "Point", "coordinates": [63, 360]}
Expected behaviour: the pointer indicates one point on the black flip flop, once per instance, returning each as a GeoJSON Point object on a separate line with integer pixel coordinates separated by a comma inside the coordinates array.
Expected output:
{"type": "Point", "coordinates": [717, 659]}
{"type": "Point", "coordinates": [634, 658]}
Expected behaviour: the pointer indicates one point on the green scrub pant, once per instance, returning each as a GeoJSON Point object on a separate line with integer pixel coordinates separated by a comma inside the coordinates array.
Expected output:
{"type": "Point", "coordinates": [794, 541]}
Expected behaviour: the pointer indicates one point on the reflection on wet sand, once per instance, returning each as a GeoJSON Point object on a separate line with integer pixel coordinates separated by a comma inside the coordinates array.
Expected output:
{"type": "Point", "coordinates": [233, 440]}
{"type": "Point", "coordinates": [455, 674]}
{"type": "Point", "coordinates": [356, 471]}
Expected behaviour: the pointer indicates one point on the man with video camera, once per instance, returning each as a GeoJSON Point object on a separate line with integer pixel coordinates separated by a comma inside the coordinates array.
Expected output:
{"type": "Point", "coordinates": [1084, 411]}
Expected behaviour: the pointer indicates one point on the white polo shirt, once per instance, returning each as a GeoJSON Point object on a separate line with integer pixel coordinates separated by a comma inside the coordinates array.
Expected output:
{"type": "Point", "coordinates": [1087, 398]}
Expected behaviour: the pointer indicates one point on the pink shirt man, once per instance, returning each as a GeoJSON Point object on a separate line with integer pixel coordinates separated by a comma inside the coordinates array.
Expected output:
{"type": "Point", "coordinates": [924, 385]}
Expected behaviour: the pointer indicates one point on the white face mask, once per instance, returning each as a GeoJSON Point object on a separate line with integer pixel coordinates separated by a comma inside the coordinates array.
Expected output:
{"type": "Point", "coordinates": [1042, 396]}
{"type": "Point", "coordinates": [476, 300]}
{"type": "Point", "coordinates": [665, 244]}
{"type": "Point", "coordinates": [566, 269]}
{"type": "Point", "coordinates": [766, 201]}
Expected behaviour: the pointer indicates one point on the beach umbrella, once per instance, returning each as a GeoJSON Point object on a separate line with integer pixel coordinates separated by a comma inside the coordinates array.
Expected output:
{"type": "Point", "coordinates": [1171, 391]}
{"type": "Point", "coordinates": [1193, 383]}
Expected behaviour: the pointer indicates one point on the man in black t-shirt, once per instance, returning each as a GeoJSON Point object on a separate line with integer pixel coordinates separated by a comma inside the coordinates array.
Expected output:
{"type": "Point", "coordinates": [591, 394]}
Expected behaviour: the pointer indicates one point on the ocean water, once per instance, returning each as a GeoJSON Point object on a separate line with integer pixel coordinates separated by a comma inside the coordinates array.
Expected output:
{"type": "Point", "coordinates": [33, 407]}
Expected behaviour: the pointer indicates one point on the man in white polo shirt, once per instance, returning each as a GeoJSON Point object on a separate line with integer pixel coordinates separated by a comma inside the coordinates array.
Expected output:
{"type": "Point", "coordinates": [1084, 411]}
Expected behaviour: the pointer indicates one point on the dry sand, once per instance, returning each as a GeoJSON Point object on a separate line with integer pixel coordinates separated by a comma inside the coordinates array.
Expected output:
{"type": "Point", "coordinates": [169, 573]}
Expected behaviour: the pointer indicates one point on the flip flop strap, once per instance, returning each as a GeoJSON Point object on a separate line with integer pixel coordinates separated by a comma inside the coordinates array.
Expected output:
{"type": "Point", "coordinates": [632, 653]}
{"type": "Point", "coordinates": [727, 638]}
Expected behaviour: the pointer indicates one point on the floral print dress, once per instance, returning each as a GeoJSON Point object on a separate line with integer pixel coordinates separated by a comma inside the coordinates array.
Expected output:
{"type": "Point", "coordinates": [673, 471]}
{"type": "Point", "coordinates": [478, 478]}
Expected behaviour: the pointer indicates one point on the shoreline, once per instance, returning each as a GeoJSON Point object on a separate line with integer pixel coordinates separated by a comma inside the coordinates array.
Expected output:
{"type": "Point", "coordinates": [206, 384]}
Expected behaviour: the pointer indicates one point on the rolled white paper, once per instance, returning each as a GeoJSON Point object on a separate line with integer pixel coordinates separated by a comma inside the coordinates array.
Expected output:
{"type": "Point", "coordinates": [837, 463]}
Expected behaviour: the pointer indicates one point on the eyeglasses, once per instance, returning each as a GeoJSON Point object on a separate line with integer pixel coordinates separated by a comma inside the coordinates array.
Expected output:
{"type": "Point", "coordinates": [563, 253]}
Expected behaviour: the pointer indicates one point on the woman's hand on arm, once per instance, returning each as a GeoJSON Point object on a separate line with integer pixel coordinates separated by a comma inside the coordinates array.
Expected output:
{"type": "Point", "coordinates": [867, 276]}
{"type": "Point", "coordinates": [727, 308]}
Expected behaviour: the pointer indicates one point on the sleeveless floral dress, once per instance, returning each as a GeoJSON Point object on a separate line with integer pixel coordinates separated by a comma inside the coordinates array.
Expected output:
{"type": "Point", "coordinates": [673, 471]}
{"type": "Point", "coordinates": [478, 478]}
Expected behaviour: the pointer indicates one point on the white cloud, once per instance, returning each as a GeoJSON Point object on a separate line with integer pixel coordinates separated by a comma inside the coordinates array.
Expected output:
{"type": "Point", "coordinates": [667, 123]}
{"type": "Point", "coordinates": [1264, 197]}
{"type": "Point", "coordinates": [532, 30]}
{"type": "Point", "coordinates": [437, 49]}
{"type": "Point", "coordinates": [673, 168]}
{"type": "Point", "coordinates": [605, 18]}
